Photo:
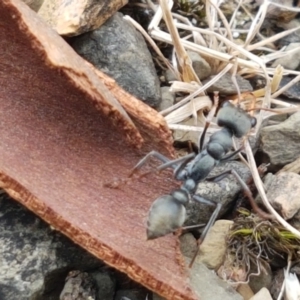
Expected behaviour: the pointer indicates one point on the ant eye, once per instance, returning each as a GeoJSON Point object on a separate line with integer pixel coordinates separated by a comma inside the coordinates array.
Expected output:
{"type": "Point", "coordinates": [253, 121]}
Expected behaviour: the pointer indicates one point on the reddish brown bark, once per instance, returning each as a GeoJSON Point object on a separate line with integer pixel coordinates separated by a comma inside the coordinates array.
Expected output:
{"type": "Point", "coordinates": [62, 136]}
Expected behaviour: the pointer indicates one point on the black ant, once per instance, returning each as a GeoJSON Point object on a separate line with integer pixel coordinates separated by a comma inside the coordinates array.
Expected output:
{"type": "Point", "coordinates": [168, 212]}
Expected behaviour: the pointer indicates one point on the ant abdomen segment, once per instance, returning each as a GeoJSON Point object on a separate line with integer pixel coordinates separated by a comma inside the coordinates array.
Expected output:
{"type": "Point", "coordinates": [167, 214]}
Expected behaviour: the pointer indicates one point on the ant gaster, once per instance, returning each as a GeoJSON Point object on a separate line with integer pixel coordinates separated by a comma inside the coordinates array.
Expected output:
{"type": "Point", "coordinates": [168, 212]}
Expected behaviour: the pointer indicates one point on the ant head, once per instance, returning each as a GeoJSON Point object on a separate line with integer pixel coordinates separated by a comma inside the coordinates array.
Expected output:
{"type": "Point", "coordinates": [235, 119]}
{"type": "Point", "coordinates": [253, 122]}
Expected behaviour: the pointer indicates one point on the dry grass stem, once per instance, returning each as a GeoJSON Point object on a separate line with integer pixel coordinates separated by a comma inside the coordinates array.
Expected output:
{"type": "Point", "coordinates": [198, 38]}
{"type": "Point", "coordinates": [165, 37]}
{"type": "Point", "coordinates": [197, 103]}
{"type": "Point", "coordinates": [199, 129]}
{"type": "Point", "coordinates": [286, 271]}
{"type": "Point", "coordinates": [257, 22]}
{"type": "Point", "coordinates": [197, 92]}
{"type": "Point", "coordinates": [271, 39]}
{"type": "Point", "coordinates": [188, 74]}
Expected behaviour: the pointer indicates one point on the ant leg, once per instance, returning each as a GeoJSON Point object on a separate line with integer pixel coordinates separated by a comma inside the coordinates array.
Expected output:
{"type": "Point", "coordinates": [208, 120]}
{"type": "Point", "coordinates": [180, 167]}
{"type": "Point", "coordinates": [167, 163]}
{"type": "Point", "coordinates": [208, 225]}
{"type": "Point", "coordinates": [175, 163]}
{"type": "Point", "coordinates": [220, 176]}
{"type": "Point", "coordinates": [246, 190]}
{"type": "Point", "coordinates": [192, 226]}
{"type": "Point", "coordinates": [232, 154]}
{"type": "Point", "coordinates": [146, 158]}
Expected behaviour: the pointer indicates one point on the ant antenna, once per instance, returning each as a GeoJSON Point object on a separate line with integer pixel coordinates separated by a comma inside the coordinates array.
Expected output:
{"type": "Point", "coordinates": [209, 118]}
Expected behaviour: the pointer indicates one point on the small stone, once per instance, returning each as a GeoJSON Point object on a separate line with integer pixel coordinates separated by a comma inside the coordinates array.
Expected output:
{"type": "Point", "coordinates": [276, 284]}
{"type": "Point", "coordinates": [188, 245]}
{"type": "Point", "coordinates": [34, 4]}
{"type": "Point", "coordinates": [290, 61]}
{"type": "Point", "coordinates": [281, 142]}
{"type": "Point", "coordinates": [263, 279]}
{"type": "Point", "coordinates": [167, 98]}
{"type": "Point", "coordinates": [74, 17]}
{"type": "Point", "coordinates": [283, 193]}
{"type": "Point", "coordinates": [293, 92]}
{"type": "Point", "coordinates": [213, 249]}
{"type": "Point", "coordinates": [263, 294]}
{"type": "Point", "coordinates": [225, 85]}
{"type": "Point", "coordinates": [78, 286]}
{"type": "Point", "coordinates": [200, 65]}
{"type": "Point", "coordinates": [208, 286]}
{"type": "Point", "coordinates": [35, 259]}
{"type": "Point", "coordinates": [235, 34]}
{"type": "Point", "coordinates": [279, 13]}
{"type": "Point", "coordinates": [120, 51]}
{"type": "Point", "coordinates": [294, 37]}
{"type": "Point", "coordinates": [105, 283]}
{"type": "Point", "coordinates": [245, 291]}
{"type": "Point", "coordinates": [170, 76]}
{"type": "Point", "coordinates": [292, 167]}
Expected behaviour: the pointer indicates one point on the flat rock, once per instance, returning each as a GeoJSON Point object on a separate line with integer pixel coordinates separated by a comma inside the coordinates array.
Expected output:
{"type": "Point", "coordinates": [105, 282]}
{"type": "Point", "coordinates": [34, 258]}
{"type": "Point", "coordinates": [78, 286]}
{"type": "Point", "coordinates": [279, 13]}
{"type": "Point", "coordinates": [262, 280]}
{"type": "Point", "coordinates": [224, 191]}
{"type": "Point", "coordinates": [276, 284]}
{"type": "Point", "coordinates": [283, 192]}
{"type": "Point", "coordinates": [74, 17]}
{"type": "Point", "coordinates": [281, 142]}
{"type": "Point", "coordinates": [225, 85]}
{"type": "Point", "coordinates": [167, 98]}
{"type": "Point", "coordinates": [245, 291]}
{"type": "Point", "coordinates": [213, 249]}
{"type": "Point", "coordinates": [34, 4]}
{"type": "Point", "coordinates": [209, 286]}
{"type": "Point", "coordinates": [188, 245]}
{"type": "Point", "coordinates": [294, 91]}
{"type": "Point", "coordinates": [263, 294]}
{"type": "Point", "coordinates": [200, 65]}
{"type": "Point", "coordinates": [290, 61]}
{"type": "Point", "coordinates": [294, 37]}
{"type": "Point", "coordinates": [119, 50]}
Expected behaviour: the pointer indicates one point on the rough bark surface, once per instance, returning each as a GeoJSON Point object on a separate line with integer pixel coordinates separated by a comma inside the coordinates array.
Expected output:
{"type": "Point", "coordinates": [62, 138]}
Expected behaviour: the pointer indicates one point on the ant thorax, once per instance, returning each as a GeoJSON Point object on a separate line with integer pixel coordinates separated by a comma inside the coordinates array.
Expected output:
{"type": "Point", "coordinates": [220, 143]}
{"type": "Point", "coordinates": [199, 168]}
